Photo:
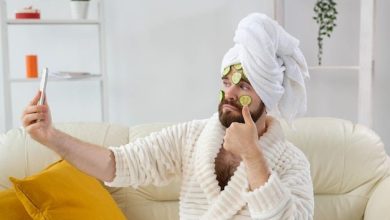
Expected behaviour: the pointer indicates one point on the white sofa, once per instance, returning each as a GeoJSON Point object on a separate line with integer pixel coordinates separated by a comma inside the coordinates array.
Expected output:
{"type": "Point", "coordinates": [349, 167]}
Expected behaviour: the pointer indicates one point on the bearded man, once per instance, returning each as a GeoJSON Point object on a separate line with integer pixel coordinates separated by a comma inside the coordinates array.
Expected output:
{"type": "Point", "coordinates": [235, 164]}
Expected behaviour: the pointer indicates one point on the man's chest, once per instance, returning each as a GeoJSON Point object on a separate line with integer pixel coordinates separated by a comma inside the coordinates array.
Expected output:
{"type": "Point", "coordinates": [225, 166]}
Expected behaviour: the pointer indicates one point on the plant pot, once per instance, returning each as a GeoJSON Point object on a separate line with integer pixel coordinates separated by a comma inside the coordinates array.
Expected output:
{"type": "Point", "coordinates": [79, 9]}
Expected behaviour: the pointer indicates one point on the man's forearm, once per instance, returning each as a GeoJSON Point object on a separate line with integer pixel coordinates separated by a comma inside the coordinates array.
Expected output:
{"type": "Point", "coordinates": [92, 159]}
{"type": "Point", "coordinates": [257, 169]}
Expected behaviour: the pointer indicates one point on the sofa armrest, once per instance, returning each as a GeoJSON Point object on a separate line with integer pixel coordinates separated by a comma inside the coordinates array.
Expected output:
{"type": "Point", "coordinates": [378, 204]}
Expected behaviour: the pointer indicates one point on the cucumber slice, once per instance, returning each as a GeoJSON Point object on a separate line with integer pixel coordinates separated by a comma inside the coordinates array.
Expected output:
{"type": "Point", "coordinates": [244, 76]}
{"type": "Point", "coordinates": [245, 100]}
{"type": "Point", "coordinates": [237, 66]}
{"type": "Point", "coordinates": [236, 77]}
{"type": "Point", "coordinates": [221, 95]}
{"type": "Point", "coordinates": [226, 71]}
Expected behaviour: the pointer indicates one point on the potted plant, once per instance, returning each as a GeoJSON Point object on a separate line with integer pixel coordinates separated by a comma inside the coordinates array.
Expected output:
{"type": "Point", "coordinates": [79, 9]}
{"type": "Point", "coordinates": [325, 16]}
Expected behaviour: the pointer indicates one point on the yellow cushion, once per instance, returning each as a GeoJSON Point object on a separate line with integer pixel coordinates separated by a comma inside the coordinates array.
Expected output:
{"type": "Point", "coordinates": [63, 192]}
{"type": "Point", "coordinates": [11, 207]}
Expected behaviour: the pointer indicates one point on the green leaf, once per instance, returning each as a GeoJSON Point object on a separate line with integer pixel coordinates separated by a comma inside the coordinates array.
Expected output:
{"type": "Point", "coordinates": [325, 16]}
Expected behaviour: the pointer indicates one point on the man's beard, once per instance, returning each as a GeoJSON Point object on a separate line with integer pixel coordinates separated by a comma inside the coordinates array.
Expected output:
{"type": "Point", "coordinates": [230, 116]}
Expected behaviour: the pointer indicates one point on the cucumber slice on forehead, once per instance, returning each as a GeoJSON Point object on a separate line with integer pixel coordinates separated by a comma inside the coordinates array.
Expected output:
{"type": "Point", "coordinates": [221, 95]}
{"type": "Point", "coordinates": [236, 77]}
{"type": "Point", "coordinates": [243, 74]}
{"type": "Point", "coordinates": [226, 71]}
{"type": "Point", "coordinates": [237, 66]}
{"type": "Point", "coordinates": [245, 100]}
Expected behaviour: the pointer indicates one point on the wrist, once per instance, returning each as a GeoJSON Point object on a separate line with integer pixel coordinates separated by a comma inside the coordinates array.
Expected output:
{"type": "Point", "coordinates": [50, 136]}
{"type": "Point", "coordinates": [257, 169]}
{"type": "Point", "coordinates": [56, 141]}
{"type": "Point", "coordinates": [252, 154]}
{"type": "Point", "coordinates": [255, 160]}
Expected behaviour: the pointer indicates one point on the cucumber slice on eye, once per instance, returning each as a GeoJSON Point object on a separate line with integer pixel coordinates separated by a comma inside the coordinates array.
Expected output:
{"type": "Point", "coordinates": [237, 66]}
{"type": "Point", "coordinates": [236, 78]}
{"type": "Point", "coordinates": [245, 100]}
{"type": "Point", "coordinates": [221, 95]}
{"type": "Point", "coordinates": [226, 71]}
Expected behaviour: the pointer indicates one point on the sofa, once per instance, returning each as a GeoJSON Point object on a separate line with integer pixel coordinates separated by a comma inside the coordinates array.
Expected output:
{"type": "Point", "coordinates": [349, 167]}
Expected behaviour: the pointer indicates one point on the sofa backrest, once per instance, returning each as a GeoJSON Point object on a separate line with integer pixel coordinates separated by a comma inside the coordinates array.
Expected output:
{"type": "Point", "coordinates": [347, 162]}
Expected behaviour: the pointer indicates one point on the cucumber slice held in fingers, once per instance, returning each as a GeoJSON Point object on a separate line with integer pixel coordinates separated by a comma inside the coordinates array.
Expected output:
{"type": "Point", "coordinates": [245, 100]}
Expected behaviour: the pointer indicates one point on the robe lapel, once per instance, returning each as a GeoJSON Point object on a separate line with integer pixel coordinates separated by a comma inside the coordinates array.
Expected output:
{"type": "Point", "coordinates": [207, 148]}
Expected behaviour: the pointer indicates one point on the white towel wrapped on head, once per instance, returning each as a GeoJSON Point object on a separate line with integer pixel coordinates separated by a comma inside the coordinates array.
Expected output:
{"type": "Point", "coordinates": [273, 63]}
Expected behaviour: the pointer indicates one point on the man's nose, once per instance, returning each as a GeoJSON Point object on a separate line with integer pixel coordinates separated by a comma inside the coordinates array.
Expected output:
{"type": "Point", "coordinates": [231, 93]}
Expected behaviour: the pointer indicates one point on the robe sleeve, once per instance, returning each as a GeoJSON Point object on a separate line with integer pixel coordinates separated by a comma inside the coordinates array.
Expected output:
{"type": "Point", "coordinates": [288, 196]}
{"type": "Point", "coordinates": [154, 159]}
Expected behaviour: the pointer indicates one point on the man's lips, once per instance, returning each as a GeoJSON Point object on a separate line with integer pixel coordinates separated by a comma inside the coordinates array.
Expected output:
{"type": "Point", "coordinates": [231, 107]}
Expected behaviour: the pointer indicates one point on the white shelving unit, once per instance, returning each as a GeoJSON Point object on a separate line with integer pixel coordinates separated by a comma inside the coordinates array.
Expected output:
{"type": "Point", "coordinates": [365, 69]}
{"type": "Point", "coordinates": [51, 22]}
{"type": "Point", "coordinates": [8, 80]}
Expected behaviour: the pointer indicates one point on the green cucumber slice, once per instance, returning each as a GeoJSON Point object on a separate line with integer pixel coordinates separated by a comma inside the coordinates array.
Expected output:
{"type": "Point", "coordinates": [221, 95]}
{"type": "Point", "coordinates": [236, 77]}
{"type": "Point", "coordinates": [226, 71]}
{"type": "Point", "coordinates": [245, 100]}
{"type": "Point", "coordinates": [237, 66]}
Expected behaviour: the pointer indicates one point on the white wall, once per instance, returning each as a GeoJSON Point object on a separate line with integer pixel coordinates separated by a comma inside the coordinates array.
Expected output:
{"type": "Point", "coordinates": [381, 86]}
{"type": "Point", "coordinates": [165, 56]}
{"type": "Point", "coordinates": [330, 93]}
{"type": "Point", "coordinates": [335, 93]}
{"type": "Point", "coordinates": [2, 119]}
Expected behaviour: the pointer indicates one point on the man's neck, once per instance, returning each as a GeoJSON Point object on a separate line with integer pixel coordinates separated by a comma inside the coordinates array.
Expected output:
{"type": "Point", "coordinates": [261, 125]}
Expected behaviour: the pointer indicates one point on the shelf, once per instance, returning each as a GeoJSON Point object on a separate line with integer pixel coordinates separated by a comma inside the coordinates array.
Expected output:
{"type": "Point", "coordinates": [52, 22]}
{"type": "Point", "coordinates": [51, 78]}
{"type": "Point", "coordinates": [10, 80]}
{"type": "Point", "coordinates": [333, 68]}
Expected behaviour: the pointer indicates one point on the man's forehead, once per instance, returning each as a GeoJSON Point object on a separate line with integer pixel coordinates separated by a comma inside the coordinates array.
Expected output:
{"type": "Point", "coordinates": [233, 69]}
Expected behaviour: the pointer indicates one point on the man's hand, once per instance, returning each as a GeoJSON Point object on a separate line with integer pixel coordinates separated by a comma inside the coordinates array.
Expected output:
{"type": "Point", "coordinates": [36, 120]}
{"type": "Point", "coordinates": [92, 159]}
{"type": "Point", "coordinates": [241, 138]}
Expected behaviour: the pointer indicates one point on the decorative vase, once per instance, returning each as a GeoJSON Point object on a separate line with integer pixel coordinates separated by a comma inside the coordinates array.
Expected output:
{"type": "Point", "coordinates": [79, 9]}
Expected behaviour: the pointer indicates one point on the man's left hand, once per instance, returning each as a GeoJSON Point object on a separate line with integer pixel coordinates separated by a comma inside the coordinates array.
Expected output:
{"type": "Point", "coordinates": [241, 138]}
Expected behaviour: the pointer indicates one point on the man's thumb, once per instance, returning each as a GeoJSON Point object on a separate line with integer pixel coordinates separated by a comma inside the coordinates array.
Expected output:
{"type": "Point", "coordinates": [247, 115]}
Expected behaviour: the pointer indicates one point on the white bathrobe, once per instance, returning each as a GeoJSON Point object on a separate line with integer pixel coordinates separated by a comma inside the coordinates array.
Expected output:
{"type": "Point", "coordinates": [190, 149]}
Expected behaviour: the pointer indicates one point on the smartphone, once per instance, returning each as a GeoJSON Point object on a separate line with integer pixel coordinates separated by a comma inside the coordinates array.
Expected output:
{"type": "Point", "coordinates": [42, 87]}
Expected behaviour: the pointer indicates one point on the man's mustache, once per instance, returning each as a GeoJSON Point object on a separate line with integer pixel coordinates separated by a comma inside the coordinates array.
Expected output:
{"type": "Point", "coordinates": [232, 103]}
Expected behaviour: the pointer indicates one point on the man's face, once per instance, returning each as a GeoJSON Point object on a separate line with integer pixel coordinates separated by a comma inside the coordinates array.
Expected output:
{"type": "Point", "coordinates": [229, 109]}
